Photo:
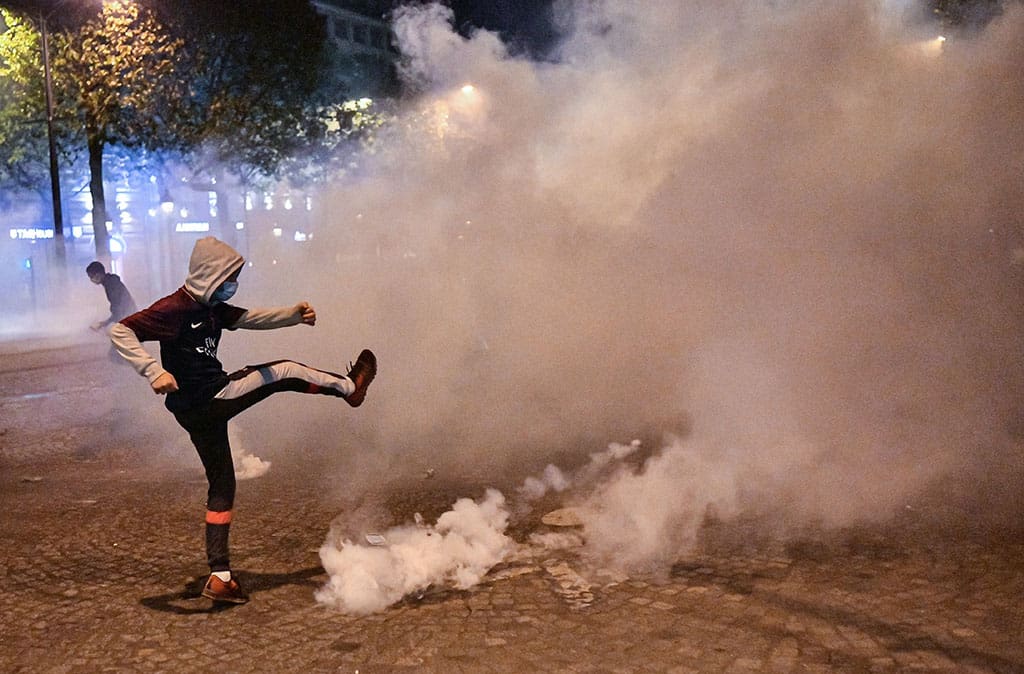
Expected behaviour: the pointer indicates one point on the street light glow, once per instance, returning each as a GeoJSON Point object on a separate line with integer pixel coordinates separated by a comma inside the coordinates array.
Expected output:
{"type": "Point", "coordinates": [934, 46]}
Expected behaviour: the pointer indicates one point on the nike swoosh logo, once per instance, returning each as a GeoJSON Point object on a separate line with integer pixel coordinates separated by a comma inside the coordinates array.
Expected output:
{"type": "Point", "coordinates": [196, 325]}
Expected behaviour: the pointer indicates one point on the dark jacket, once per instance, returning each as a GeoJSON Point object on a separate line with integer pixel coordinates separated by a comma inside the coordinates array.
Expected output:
{"type": "Point", "coordinates": [121, 302]}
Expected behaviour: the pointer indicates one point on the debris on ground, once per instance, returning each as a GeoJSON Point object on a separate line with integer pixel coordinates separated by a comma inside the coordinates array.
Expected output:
{"type": "Point", "coordinates": [563, 517]}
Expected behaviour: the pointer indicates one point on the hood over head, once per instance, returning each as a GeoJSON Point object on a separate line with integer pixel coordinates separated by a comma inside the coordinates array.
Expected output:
{"type": "Point", "coordinates": [212, 262]}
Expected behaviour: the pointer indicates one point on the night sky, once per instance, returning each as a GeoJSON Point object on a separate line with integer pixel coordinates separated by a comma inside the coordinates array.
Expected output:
{"type": "Point", "coordinates": [524, 24]}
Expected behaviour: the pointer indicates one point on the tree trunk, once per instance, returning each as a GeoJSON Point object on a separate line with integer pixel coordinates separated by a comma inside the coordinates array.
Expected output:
{"type": "Point", "coordinates": [99, 203]}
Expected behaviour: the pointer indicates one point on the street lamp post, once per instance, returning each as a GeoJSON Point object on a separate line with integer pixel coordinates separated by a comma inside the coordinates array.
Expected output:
{"type": "Point", "coordinates": [58, 214]}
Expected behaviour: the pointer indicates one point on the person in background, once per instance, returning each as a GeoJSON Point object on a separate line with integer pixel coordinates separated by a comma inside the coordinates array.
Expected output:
{"type": "Point", "coordinates": [121, 302]}
{"type": "Point", "coordinates": [203, 397]}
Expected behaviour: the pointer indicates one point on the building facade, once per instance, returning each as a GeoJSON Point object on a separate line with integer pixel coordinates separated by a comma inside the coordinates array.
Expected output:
{"type": "Point", "coordinates": [363, 46]}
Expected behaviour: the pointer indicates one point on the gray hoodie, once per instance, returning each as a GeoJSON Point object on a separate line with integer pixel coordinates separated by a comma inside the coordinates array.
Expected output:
{"type": "Point", "coordinates": [211, 263]}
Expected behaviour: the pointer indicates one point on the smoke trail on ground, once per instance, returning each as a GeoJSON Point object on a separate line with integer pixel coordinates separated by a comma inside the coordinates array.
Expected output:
{"type": "Point", "coordinates": [456, 552]}
{"type": "Point", "coordinates": [782, 234]}
{"type": "Point", "coordinates": [553, 478]}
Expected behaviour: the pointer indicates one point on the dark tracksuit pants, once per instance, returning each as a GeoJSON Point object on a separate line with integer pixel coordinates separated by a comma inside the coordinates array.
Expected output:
{"type": "Point", "coordinates": [207, 426]}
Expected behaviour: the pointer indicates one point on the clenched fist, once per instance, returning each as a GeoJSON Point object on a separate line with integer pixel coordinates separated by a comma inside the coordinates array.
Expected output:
{"type": "Point", "coordinates": [165, 383]}
{"type": "Point", "coordinates": [306, 311]}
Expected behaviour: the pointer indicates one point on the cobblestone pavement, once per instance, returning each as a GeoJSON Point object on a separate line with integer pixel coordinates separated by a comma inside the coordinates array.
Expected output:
{"type": "Point", "coordinates": [101, 570]}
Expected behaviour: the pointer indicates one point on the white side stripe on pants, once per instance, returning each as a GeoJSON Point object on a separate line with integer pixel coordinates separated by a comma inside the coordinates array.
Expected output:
{"type": "Point", "coordinates": [268, 374]}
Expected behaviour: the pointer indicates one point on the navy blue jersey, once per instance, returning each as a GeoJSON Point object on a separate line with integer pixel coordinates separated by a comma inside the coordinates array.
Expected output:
{"type": "Point", "coordinates": [188, 332]}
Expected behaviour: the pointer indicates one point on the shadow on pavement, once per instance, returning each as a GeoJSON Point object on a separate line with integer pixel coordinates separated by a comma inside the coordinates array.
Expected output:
{"type": "Point", "coordinates": [187, 602]}
{"type": "Point", "coordinates": [257, 582]}
{"type": "Point", "coordinates": [190, 600]}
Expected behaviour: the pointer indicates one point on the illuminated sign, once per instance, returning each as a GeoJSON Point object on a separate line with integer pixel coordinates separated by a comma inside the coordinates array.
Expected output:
{"type": "Point", "coordinates": [31, 234]}
{"type": "Point", "coordinates": [192, 227]}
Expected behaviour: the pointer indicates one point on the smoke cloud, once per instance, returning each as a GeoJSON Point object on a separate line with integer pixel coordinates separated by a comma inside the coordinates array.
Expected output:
{"type": "Point", "coordinates": [774, 240]}
{"type": "Point", "coordinates": [247, 465]}
{"type": "Point", "coordinates": [456, 552]}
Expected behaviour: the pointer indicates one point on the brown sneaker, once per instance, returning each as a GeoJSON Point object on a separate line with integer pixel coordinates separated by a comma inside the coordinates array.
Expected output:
{"type": "Point", "coordinates": [217, 590]}
{"type": "Point", "coordinates": [361, 374]}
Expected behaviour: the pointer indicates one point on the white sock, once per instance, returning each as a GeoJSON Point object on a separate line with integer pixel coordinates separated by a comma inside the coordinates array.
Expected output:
{"type": "Point", "coordinates": [223, 575]}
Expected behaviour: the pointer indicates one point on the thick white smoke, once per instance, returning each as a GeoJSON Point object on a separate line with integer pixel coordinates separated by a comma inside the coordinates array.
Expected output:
{"type": "Point", "coordinates": [781, 233]}
{"type": "Point", "coordinates": [247, 465]}
{"type": "Point", "coordinates": [456, 552]}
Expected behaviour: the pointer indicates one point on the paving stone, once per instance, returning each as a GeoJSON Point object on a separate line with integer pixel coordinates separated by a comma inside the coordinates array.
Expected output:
{"type": "Point", "coordinates": [735, 607]}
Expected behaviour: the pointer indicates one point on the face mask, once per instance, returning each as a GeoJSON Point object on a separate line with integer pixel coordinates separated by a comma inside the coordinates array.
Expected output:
{"type": "Point", "coordinates": [224, 292]}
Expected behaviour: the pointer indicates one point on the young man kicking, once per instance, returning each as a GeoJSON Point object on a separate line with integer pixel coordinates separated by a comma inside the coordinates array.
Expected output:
{"type": "Point", "coordinates": [203, 397]}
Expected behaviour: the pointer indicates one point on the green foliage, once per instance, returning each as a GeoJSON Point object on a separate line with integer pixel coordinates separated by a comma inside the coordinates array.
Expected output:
{"type": "Point", "coordinates": [113, 80]}
{"type": "Point", "coordinates": [21, 57]}
{"type": "Point", "coordinates": [254, 75]}
{"type": "Point", "coordinates": [23, 151]}
{"type": "Point", "coordinates": [350, 130]}
{"type": "Point", "coordinates": [242, 88]}
{"type": "Point", "coordinates": [123, 68]}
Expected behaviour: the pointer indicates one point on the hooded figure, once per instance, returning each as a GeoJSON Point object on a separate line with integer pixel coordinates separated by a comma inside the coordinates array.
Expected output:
{"type": "Point", "coordinates": [212, 262]}
{"type": "Point", "coordinates": [188, 325]}
{"type": "Point", "coordinates": [203, 397]}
